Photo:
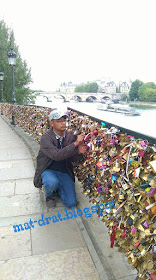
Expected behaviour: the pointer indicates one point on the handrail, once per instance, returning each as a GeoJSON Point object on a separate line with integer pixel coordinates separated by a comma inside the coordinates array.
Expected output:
{"type": "Point", "coordinates": [125, 130]}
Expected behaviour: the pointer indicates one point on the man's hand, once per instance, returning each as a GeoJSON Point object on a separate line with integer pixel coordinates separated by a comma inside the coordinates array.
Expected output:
{"type": "Point", "coordinates": [79, 139]}
{"type": "Point", "coordinates": [82, 149]}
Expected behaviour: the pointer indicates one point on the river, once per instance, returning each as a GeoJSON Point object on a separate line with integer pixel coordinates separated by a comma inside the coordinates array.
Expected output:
{"type": "Point", "coordinates": [145, 123]}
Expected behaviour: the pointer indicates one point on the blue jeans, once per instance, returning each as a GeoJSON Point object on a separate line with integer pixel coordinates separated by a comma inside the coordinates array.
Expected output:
{"type": "Point", "coordinates": [62, 183]}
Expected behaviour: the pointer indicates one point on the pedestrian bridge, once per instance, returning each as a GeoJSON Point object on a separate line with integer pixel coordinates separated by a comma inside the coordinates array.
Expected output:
{"type": "Point", "coordinates": [79, 96]}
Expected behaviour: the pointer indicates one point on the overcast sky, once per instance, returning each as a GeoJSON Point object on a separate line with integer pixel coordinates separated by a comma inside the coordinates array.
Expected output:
{"type": "Point", "coordinates": [83, 40]}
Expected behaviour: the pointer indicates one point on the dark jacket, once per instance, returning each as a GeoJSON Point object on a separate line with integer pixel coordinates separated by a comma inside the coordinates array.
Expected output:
{"type": "Point", "coordinates": [49, 151]}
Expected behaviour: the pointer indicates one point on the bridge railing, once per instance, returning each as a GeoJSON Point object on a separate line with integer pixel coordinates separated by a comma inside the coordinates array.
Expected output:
{"type": "Point", "coordinates": [40, 115]}
{"type": "Point", "coordinates": [123, 129]}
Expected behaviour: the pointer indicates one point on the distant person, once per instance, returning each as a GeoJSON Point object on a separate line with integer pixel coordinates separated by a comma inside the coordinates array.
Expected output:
{"type": "Point", "coordinates": [58, 149]}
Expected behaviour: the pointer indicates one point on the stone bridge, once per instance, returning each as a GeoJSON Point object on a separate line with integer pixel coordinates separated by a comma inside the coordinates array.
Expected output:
{"type": "Point", "coordinates": [79, 96]}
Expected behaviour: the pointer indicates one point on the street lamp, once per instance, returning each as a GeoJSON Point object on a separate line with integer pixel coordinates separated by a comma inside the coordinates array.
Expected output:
{"type": "Point", "coordinates": [2, 100]}
{"type": "Point", "coordinates": [12, 63]}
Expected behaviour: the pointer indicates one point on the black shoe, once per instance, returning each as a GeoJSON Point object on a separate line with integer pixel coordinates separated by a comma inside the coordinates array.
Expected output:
{"type": "Point", "coordinates": [56, 194]}
{"type": "Point", "coordinates": [50, 202]}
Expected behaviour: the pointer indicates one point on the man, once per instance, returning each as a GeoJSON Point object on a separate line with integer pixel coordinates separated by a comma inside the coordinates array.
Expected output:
{"type": "Point", "coordinates": [58, 149]}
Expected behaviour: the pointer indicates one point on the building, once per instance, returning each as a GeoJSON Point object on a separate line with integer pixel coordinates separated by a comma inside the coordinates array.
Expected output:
{"type": "Point", "coordinates": [124, 87]}
{"type": "Point", "coordinates": [110, 87]}
{"type": "Point", "coordinates": [101, 86]}
{"type": "Point", "coordinates": [66, 87]}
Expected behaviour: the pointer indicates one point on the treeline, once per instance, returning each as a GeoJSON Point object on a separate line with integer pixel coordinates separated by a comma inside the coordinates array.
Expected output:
{"type": "Point", "coordinates": [90, 87]}
{"type": "Point", "coordinates": [143, 91]}
{"type": "Point", "coordinates": [22, 74]}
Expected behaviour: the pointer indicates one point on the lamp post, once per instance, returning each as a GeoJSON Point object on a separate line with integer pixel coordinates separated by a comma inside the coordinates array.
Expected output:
{"type": "Point", "coordinates": [12, 63]}
{"type": "Point", "coordinates": [2, 100]}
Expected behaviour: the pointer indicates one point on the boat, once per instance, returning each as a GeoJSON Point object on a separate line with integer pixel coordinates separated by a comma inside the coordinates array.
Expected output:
{"type": "Point", "coordinates": [118, 108]}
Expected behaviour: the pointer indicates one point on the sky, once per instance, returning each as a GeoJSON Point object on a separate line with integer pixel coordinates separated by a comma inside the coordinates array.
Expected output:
{"type": "Point", "coordinates": [84, 40]}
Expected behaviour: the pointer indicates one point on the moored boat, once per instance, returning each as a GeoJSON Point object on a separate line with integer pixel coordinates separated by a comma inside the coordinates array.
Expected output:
{"type": "Point", "coordinates": [118, 108]}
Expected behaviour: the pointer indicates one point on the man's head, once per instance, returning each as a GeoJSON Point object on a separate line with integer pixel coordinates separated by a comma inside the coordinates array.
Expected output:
{"type": "Point", "coordinates": [58, 121]}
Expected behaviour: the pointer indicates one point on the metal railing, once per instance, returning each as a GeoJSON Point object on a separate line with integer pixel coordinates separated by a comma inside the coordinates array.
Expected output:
{"type": "Point", "coordinates": [124, 130]}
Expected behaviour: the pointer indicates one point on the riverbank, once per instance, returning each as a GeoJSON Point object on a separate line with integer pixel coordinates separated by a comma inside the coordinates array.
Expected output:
{"type": "Point", "coordinates": [139, 103]}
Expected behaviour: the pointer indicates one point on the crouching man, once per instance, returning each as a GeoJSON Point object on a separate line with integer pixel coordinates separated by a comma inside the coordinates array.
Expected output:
{"type": "Point", "coordinates": [58, 149]}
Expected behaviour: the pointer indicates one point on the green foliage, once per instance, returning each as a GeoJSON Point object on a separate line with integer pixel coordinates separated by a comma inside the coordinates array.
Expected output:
{"type": "Point", "coordinates": [91, 87]}
{"type": "Point", "coordinates": [124, 97]}
{"type": "Point", "coordinates": [150, 94]}
{"type": "Point", "coordinates": [147, 92]}
{"type": "Point", "coordinates": [22, 75]}
{"type": "Point", "coordinates": [133, 94]}
{"type": "Point", "coordinates": [79, 89]}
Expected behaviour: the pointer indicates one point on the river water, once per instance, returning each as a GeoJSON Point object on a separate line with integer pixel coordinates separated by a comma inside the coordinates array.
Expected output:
{"type": "Point", "coordinates": [145, 123]}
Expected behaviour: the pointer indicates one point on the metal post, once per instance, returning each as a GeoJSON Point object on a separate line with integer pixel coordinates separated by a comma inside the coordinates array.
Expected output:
{"type": "Point", "coordinates": [13, 97]}
{"type": "Point", "coordinates": [2, 100]}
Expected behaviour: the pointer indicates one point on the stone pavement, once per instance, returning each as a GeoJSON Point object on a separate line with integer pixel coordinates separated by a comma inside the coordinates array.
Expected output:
{"type": "Point", "coordinates": [69, 249]}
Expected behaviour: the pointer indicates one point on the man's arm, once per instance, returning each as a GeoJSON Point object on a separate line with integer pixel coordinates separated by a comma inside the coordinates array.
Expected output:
{"type": "Point", "coordinates": [50, 150]}
{"type": "Point", "coordinates": [80, 153]}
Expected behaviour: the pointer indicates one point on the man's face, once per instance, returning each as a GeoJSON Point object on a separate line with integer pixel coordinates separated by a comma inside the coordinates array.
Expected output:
{"type": "Point", "coordinates": [59, 124]}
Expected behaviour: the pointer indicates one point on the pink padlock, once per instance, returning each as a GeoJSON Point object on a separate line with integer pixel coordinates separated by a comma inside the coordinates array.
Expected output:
{"type": "Point", "coordinates": [142, 144]}
{"type": "Point", "coordinates": [95, 132]}
{"type": "Point", "coordinates": [152, 276]}
{"type": "Point", "coordinates": [112, 142]}
{"type": "Point", "coordinates": [141, 153]}
{"type": "Point", "coordinates": [99, 164]}
{"type": "Point", "coordinates": [152, 192]}
{"type": "Point", "coordinates": [133, 230]}
{"type": "Point", "coordinates": [146, 224]}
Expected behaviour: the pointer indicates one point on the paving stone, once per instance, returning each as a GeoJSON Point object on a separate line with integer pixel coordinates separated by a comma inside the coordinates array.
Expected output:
{"type": "Point", "coordinates": [17, 173]}
{"type": "Point", "coordinates": [56, 236]}
{"type": "Point", "coordinates": [130, 277]}
{"type": "Point", "coordinates": [4, 155]}
{"type": "Point", "coordinates": [23, 153]}
{"type": "Point", "coordinates": [7, 136]}
{"type": "Point", "coordinates": [7, 188]}
{"type": "Point", "coordinates": [20, 205]}
{"type": "Point", "coordinates": [7, 144]}
{"type": "Point", "coordinates": [25, 186]}
{"type": "Point", "coordinates": [16, 220]}
{"type": "Point", "coordinates": [5, 164]}
{"type": "Point", "coordinates": [24, 163]}
{"type": "Point", "coordinates": [16, 153]}
{"type": "Point", "coordinates": [63, 265]}
{"type": "Point", "coordinates": [14, 245]}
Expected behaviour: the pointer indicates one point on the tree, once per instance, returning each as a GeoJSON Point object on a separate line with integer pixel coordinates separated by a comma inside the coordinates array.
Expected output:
{"type": "Point", "coordinates": [79, 89]}
{"type": "Point", "coordinates": [150, 94]}
{"type": "Point", "coordinates": [90, 87]}
{"type": "Point", "coordinates": [124, 97]}
{"type": "Point", "coordinates": [133, 94]}
{"type": "Point", "coordinates": [22, 75]}
{"type": "Point", "coordinates": [147, 92]}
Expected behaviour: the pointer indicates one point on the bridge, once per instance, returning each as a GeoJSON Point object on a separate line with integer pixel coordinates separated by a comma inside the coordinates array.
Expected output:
{"type": "Point", "coordinates": [80, 96]}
